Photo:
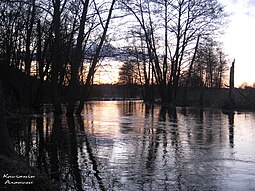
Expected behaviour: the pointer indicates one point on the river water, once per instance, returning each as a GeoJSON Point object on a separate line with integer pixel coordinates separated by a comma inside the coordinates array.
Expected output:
{"type": "Point", "coordinates": [126, 145]}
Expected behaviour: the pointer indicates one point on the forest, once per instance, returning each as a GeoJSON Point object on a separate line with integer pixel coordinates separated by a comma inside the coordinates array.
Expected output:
{"type": "Point", "coordinates": [61, 44]}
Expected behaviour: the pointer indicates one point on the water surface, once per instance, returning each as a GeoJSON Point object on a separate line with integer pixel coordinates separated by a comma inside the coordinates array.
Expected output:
{"type": "Point", "coordinates": [126, 145]}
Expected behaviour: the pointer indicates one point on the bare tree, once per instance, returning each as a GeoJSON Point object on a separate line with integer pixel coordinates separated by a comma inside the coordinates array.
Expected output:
{"type": "Point", "coordinates": [210, 64]}
{"type": "Point", "coordinates": [129, 73]}
{"type": "Point", "coordinates": [57, 54]}
{"type": "Point", "coordinates": [77, 59]}
{"type": "Point", "coordinates": [183, 21]}
{"type": "Point", "coordinates": [86, 87]}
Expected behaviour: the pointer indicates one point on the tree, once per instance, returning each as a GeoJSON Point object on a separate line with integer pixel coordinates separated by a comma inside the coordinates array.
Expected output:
{"type": "Point", "coordinates": [86, 87]}
{"type": "Point", "coordinates": [244, 85]}
{"type": "Point", "coordinates": [210, 64]}
{"type": "Point", "coordinates": [183, 22]}
{"type": "Point", "coordinates": [76, 60]}
{"type": "Point", "coordinates": [68, 36]}
{"type": "Point", "coordinates": [29, 29]}
{"type": "Point", "coordinates": [57, 53]}
{"type": "Point", "coordinates": [128, 73]}
{"type": "Point", "coordinates": [17, 43]}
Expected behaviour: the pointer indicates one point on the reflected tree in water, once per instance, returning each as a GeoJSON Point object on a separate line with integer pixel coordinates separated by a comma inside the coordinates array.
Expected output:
{"type": "Point", "coordinates": [54, 148]}
{"type": "Point", "coordinates": [41, 159]}
{"type": "Point", "coordinates": [92, 158]}
{"type": "Point", "coordinates": [231, 128]}
{"type": "Point", "coordinates": [73, 155]}
{"type": "Point", "coordinates": [164, 148]}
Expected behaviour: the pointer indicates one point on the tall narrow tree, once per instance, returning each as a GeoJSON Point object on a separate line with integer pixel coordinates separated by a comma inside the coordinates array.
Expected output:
{"type": "Point", "coordinates": [76, 61]}
{"type": "Point", "coordinates": [86, 87]}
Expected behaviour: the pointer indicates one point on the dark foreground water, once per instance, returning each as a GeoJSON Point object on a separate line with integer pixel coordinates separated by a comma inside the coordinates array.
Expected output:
{"type": "Point", "coordinates": [129, 146]}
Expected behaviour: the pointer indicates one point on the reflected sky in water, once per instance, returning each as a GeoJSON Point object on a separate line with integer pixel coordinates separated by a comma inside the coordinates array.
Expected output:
{"type": "Point", "coordinates": [126, 145]}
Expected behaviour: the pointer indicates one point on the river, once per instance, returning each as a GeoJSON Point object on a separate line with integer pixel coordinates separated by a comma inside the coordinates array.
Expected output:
{"type": "Point", "coordinates": [126, 145]}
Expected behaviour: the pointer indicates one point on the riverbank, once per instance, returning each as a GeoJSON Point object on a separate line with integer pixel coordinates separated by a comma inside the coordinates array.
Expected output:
{"type": "Point", "coordinates": [16, 174]}
{"type": "Point", "coordinates": [15, 171]}
{"type": "Point", "coordinates": [20, 91]}
{"type": "Point", "coordinates": [195, 97]}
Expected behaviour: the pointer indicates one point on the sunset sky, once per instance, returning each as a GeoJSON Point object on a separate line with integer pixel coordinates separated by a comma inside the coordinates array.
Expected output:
{"type": "Point", "coordinates": [239, 39]}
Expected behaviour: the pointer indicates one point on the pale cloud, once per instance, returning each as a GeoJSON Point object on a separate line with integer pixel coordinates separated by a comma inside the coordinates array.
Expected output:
{"type": "Point", "coordinates": [251, 8]}
{"type": "Point", "coordinates": [251, 2]}
{"type": "Point", "coordinates": [234, 1]}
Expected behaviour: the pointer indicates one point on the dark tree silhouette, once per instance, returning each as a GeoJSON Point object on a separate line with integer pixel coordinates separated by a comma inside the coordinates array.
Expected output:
{"type": "Point", "coordinates": [183, 22]}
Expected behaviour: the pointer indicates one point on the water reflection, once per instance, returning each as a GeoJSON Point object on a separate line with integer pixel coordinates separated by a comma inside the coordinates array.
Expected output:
{"type": "Point", "coordinates": [132, 146]}
{"type": "Point", "coordinates": [73, 155]}
{"type": "Point", "coordinates": [231, 128]}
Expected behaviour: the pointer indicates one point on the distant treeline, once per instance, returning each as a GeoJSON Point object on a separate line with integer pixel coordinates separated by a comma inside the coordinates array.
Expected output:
{"type": "Point", "coordinates": [197, 97]}
{"type": "Point", "coordinates": [16, 95]}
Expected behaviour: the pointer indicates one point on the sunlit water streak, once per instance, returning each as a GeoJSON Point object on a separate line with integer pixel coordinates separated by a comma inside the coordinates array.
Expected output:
{"type": "Point", "coordinates": [126, 145]}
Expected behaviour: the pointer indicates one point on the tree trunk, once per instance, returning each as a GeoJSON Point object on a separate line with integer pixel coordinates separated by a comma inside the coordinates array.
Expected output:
{"type": "Point", "coordinates": [40, 61]}
{"type": "Point", "coordinates": [77, 59]}
{"type": "Point", "coordinates": [86, 88]}
{"type": "Point", "coordinates": [56, 58]}
{"type": "Point", "coordinates": [189, 72]}
{"type": "Point", "coordinates": [231, 86]}
{"type": "Point", "coordinates": [29, 29]}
